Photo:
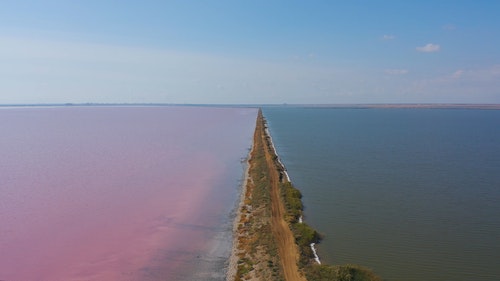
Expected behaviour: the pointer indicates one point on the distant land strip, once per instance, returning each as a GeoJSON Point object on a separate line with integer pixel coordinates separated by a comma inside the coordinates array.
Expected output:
{"type": "Point", "coordinates": [407, 105]}
{"type": "Point", "coordinates": [354, 106]}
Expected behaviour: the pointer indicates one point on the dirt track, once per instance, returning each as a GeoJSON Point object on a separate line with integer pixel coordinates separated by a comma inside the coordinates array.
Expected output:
{"type": "Point", "coordinates": [287, 248]}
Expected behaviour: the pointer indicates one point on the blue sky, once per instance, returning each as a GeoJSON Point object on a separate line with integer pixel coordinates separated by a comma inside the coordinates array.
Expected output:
{"type": "Point", "coordinates": [250, 51]}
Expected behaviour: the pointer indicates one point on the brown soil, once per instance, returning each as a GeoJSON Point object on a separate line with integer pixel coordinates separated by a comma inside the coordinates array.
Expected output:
{"type": "Point", "coordinates": [287, 248]}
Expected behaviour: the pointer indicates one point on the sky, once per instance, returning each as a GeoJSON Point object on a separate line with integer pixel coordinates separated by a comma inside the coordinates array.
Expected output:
{"type": "Point", "coordinates": [249, 52]}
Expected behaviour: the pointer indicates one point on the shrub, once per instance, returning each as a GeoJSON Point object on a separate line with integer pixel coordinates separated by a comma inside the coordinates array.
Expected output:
{"type": "Point", "coordinates": [340, 273]}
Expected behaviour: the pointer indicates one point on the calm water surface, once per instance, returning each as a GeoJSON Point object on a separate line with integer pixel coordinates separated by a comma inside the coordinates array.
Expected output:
{"type": "Point", "coordinates": [412, 193]}
{"type": "Point", "coordinates": [119, 193]}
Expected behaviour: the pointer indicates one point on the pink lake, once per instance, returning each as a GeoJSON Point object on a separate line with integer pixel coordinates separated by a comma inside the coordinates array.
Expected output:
{"type": "Point", "coordinates": [119, 193]}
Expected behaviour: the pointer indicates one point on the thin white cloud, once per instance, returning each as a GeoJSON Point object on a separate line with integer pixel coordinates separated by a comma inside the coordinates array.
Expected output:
{"type": "Point", "coordinates": [449, 27]}
{"type": "Point", "coordinates": [457, 74]}
{"type": "Point", "coordinates": [490, 73]}
{"type": "Point", "coordinates": [429, 48]}
{"type": "Point", "coordinates": [396, 71]}
{"type": "Point", "coordinates": [485, 76]}
{"type": "Point", "coordinates": [388, 37]}
{"type": "Point", "coordinates": [453, 77]}
{"type": "Point", "coordinates": [45, 71]}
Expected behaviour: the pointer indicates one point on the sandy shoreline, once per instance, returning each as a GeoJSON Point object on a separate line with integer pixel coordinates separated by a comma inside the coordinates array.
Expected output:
{"type": "Point", "coordinates": [233, 258]}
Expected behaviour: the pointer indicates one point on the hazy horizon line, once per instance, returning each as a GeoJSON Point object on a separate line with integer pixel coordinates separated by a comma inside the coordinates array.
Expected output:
{"type": "Point", "coordinates": [338, 105]}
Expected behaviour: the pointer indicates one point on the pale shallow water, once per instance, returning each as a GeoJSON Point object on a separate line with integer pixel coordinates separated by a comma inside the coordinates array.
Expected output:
{"type": "Point", "coordinates": [413, 194]}
{"type": "Point", "coordinates": [119, 193]}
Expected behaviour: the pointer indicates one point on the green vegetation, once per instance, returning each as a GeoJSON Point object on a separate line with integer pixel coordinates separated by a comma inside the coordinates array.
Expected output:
{"type": "Point", "coordinates": [303, 233]}
{"type": "Point", "coordinates": [293, 203]}
{"type": "Point", "coordinates": [340, 273]}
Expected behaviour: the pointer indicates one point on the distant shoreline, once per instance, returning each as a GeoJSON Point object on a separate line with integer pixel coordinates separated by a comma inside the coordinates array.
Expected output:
{"type": "Point", "coordinates": [406, 105]}
{"type": "Point", "coordinates": [352, 106]}
{"type": "Point", "coordinates": [393, 106]}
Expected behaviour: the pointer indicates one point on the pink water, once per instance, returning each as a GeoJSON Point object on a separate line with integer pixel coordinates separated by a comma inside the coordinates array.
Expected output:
{"type": "Point", "coordinates": [118, 193]}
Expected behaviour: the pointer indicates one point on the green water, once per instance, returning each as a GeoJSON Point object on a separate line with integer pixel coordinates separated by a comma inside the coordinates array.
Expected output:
{"type": "Point", "coordinates": [413, 194]}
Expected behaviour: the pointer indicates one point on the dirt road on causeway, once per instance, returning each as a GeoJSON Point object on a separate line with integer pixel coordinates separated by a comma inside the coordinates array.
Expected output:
{"type": "Point", "coordinates": [287, 248]}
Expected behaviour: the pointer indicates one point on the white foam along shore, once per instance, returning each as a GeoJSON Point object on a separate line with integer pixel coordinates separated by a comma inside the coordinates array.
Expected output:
{"type": "Point", "coordinates": [316, 257]}
{"type": "Point", "coordinates": [276, 153]}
